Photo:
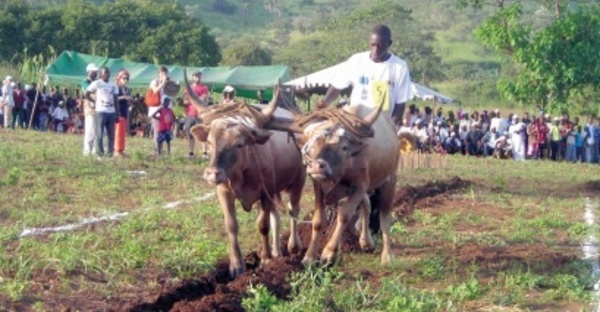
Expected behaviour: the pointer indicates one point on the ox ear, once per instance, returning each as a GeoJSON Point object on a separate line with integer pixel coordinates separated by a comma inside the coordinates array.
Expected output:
{"type": "Point", "coordinates": [199, 132]}
{"type": "Point", "coordinates": [260, 136]}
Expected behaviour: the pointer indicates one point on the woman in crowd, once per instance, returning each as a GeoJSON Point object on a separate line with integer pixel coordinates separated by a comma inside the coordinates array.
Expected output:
{"type": "Point", "coordinates": [125, 100]}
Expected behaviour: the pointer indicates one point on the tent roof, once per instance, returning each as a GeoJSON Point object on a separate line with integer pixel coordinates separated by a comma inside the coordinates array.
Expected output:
{"type": "Point", "coordinates": [319, 81]}
{"type": "Point", "coordinates": [69, 68]}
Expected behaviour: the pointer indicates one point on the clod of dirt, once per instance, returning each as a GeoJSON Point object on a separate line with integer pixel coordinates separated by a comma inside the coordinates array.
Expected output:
{"type": "Point", "coordinates": [406, 197]}
{"type": "Point", "coordinates": [216, 291]}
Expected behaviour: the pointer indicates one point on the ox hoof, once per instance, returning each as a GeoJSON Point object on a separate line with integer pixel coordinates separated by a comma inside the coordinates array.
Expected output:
{"type": "Point", "coordinates": [276, 252]}
{"type": "Point", "coordinates": [367, 244]}
{"type": "Point", "coordinates": [235, 271]}
{"type": "Point", "coordinates": [294, 247]}
{"type": "Point", "coordinates": [386, 259]}
{"type": "Point", "coordinates": [328, 258]}
{"type": "Point", "coordinates": [309, 261]}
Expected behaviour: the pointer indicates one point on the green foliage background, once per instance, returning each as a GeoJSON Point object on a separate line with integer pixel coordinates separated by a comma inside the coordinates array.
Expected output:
{"type": "Point", "coordinates": [435, 37]}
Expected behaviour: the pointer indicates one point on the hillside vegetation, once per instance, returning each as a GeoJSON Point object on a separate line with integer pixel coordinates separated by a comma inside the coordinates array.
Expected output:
{"type": "Point", "coordinates": [436, 38]}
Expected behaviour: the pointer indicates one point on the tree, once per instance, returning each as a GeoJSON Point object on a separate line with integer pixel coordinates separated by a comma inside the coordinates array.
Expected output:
{"type": "Point", "coordinates": [346, 33]}
{"type": "Point", "coordinates": [246, 53]}
{"type": "Point", "coordinates": [140, 30]}
{"type": "Point", "coordinates": [548, 66]}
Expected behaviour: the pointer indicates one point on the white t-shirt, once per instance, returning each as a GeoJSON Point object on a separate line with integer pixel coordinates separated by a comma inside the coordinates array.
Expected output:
{"type": "Point", "coordinates": [60, 113]}
{"type": "Point", "coordinates": [105, 92]}
{"type": "Point", "coordinates": [364, 74]}
{"type": "Point", "coordinates": [151, 110]}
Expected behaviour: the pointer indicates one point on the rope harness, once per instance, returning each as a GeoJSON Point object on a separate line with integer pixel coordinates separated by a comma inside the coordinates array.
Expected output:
{"type": "Point", "coordinates": [235, 111]}
{"type": "Point", "coordinates": [345, 124]}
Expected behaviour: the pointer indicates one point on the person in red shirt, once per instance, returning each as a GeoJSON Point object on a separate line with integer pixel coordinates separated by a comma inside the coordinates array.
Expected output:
{"type": "Point", "coordinates": [165, 118]}
{"type": "Point", "coordinates": [191, 113]}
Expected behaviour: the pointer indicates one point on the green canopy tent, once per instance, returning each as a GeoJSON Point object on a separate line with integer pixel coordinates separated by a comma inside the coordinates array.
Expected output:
{"type": "Point", "coordinates": [69, 69]}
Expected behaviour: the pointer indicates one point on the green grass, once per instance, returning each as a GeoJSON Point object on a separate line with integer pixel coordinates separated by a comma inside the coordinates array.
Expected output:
{"type": "Point", "coordinates": [510, 208]}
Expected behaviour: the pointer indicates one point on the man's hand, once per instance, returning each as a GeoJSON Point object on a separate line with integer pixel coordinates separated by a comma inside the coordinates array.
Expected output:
{"type": "Point", "coordinates": [321, 105]}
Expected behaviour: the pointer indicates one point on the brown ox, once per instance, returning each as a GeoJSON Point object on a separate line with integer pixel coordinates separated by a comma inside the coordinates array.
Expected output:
{"type": "Point", "coordinates": [250, 164]}
{"type": "Point", "coordinates": [344, 165]}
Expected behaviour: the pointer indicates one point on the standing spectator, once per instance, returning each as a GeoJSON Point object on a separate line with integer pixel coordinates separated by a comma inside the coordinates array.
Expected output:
{"type": "Point", "coordinates": [578, 142]}
{"type": "Point", "coordinates": [589, 142]}
{"type": "Point", "coordinates": [165, 118]}
{"type": "Point", "coordinates": [555, 139]}
{"type": "Point", "coordinates": [571, 151]}
{"type": "Point", "coordinates": [191, 113]}
{"type": "Point", "coordinates": [70, 101]}
{"type": "Point", "coordinates": [157, 85]}
{"type": "Point", "coordinates": [18, 114]}
{"type": "Point", "coordinates": [33, 100]}
{"type": "Point", "coordinates": [43, 114]}
{"type": "Point", "coordinates": [532, 135]}
{"type": "Point", "coordinates": [89, 111]}
{"type": "Point", "coordinates": [517, 134]}
{"type": "Point", "coordinates": [7, 100]}
{"type": "Point", "coordinates": [496, 121]}
{"type": "Point", "coordinates": [542, 139]}
{"type": "Point", "coordinates": [106, 100]}
{"type": "Point", "coordinates": [125, 100]}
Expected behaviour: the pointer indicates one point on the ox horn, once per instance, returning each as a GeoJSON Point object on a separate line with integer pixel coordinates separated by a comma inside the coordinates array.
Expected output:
{"type": "Point", "coordinates": [370, 119]}
{"type": "Point", "coordinates": [269, 110]}
{"type": "Point", "coordinates": [196, 101]}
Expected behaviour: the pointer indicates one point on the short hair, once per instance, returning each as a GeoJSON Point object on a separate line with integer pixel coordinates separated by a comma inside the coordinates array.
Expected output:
{"type": "Point", "coordinates": [382, 31]}
{"type": "Point", "coordinates": [163, 69]}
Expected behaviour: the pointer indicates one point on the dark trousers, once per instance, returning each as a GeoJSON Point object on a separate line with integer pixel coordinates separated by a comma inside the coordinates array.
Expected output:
{"type": "Point", "coordinates": [554, 149]}
{"type": "Point", "coordinates": [105, 123]}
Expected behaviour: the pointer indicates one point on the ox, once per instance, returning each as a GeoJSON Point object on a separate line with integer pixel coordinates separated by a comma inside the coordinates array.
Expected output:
{"type": "Point", "coordinates": [251, 165]}
{"type": "Point", "coordinates": [343, 164]}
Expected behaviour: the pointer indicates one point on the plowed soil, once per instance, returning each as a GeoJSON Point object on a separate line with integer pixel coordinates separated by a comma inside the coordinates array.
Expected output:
{"type": "Point", "coordinates": [216, 292]}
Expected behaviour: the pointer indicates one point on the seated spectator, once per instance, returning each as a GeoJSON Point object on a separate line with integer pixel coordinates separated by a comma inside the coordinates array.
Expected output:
{"type": "Point", "coordinates": [60, 117]}
{"type": "Point", "coordinates": [453, 145]}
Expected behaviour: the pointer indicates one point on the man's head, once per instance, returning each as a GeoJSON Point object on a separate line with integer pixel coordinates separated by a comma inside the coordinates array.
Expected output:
{"type": "Point", "coordinates": [380, 41]}
{"type": "Point", "coordinates": [92, 71]}
{"type": "Point", "coordinates": [197, 76]}
{"type": "Point", "coordinates": [166, 101]}
{"type": "Point", "coordinates": [163, 72]}
{"type": "Point", "coordinates": [104, 73]}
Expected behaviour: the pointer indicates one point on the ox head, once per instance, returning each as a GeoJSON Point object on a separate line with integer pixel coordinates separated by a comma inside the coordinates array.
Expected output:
{"type": "Point", "coordinates": [229, 140]}
{"type": "Point", "coordinates": [329, 150]}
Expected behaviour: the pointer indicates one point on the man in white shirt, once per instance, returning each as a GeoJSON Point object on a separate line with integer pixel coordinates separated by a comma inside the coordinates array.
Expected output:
{"type": "Point", "coordinates": [105, 107]}
{"type": "Point", "coordinates": [7, 100]}
{"type": "Point", "coordinates": [374, 75]}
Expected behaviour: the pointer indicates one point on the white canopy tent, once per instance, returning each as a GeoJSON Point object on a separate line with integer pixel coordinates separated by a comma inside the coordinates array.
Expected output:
{"type": "Point", "coordinates": [319, 81]}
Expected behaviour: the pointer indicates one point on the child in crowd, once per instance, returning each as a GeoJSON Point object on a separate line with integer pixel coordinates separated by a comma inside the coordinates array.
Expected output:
{"type": "Point", "coordinates": [165, 118]}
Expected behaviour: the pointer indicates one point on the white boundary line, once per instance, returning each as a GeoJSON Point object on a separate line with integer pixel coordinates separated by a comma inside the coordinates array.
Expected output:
{"type": "Point", "coordinates": [590, 250]}
{"type": "Point", "coordinates": [112, 217]}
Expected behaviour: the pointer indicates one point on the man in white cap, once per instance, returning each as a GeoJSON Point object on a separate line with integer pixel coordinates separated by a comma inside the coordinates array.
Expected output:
{"type": "Point", "coordinates": [228, 95]}
{"type": "Point", "coordinates": [89, 132]}
{"type": "Point", "coordinates": [7, 100]}
{"type": "Point", "coordinates": [60, 116]}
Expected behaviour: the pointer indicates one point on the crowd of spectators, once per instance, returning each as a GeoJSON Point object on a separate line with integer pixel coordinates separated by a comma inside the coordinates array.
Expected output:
{"type": "Point", "coordinates": [487, 134]}
{"type": "Point", "coordinates": [483, 134]}
{"type": "Point", "coordinates": [53, 109]}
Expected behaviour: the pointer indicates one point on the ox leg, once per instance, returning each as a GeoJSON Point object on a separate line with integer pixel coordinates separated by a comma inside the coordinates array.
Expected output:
{"type": "Point", "coordinates": [294, 243]}
{"type": "Point", "coordinates": [366, 240]}
{"type": "Point", "coordinates": [345, 214]}
{"type": "Point", "coordinates": [385, 219]}
{"type": "Point", "coordinates": [263, 227]}
{"type": "Point", "coordinates": [226, 199]}
{"type": "Point", "coordinates": [276, 228]}
{"type": "Point", "coordinates": [317, 226]}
